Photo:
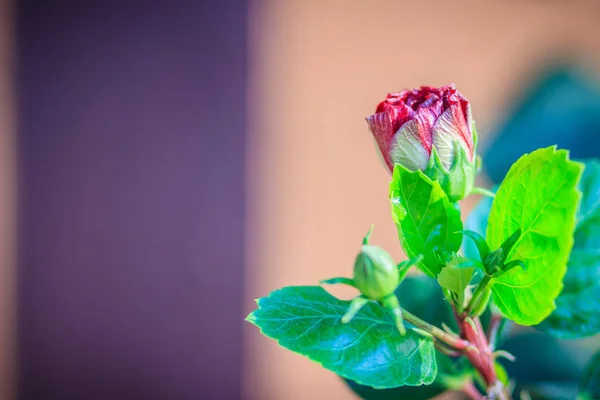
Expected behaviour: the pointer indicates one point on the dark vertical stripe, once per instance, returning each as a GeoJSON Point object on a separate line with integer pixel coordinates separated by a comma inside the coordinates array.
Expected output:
{"type": "Point", "coordinates": [131, 123]}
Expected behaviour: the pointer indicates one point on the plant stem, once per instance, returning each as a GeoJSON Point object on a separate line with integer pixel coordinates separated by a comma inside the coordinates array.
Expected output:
{"type": "Point", "coordinates": [472, 343]}
{"type": "Point", "coordinates": [483, 192]}
{"type": "Point", "coordinates": [483, 359]}
{"type": "Point", "coordinates": [452, 340]}
{"type": "Point", "coordinates": [471, 391]}
{"type": "Point", "coordinates": [446, 350]}
{"type": "Point", "coordinates": [477, 294]}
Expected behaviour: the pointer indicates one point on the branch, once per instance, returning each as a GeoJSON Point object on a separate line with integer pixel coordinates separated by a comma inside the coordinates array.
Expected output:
{"type": "Point", "coordinates": [452, 340]}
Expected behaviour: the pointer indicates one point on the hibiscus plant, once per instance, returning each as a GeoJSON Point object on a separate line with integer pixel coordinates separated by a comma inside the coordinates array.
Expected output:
{"type": "Point", "coordinates": [529, 256]}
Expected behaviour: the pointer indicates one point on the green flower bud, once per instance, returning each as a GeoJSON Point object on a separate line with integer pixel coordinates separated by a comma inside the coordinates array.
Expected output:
{"type": "Point", "coordinates": [375, 273]}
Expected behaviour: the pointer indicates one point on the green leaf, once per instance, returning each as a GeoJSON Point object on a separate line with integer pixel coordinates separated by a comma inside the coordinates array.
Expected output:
{"type": "Point", "coordinates": [539, 196]}
{"type": "Point", "coordinates": [338, 281]}
{"type": "Point", "coordinates": [589, 384]}
{"type": "Point", "coordinates": [482, 247]}
{"type": "Point", "coordinates": [456, 280]}
{"type": "Point", "coordinates": [577, 311]}
{"type": "Point", "coordinates": [368, 350]}
{"type": "Point", "coordinates": [421, 296]}
{"type": "Point", "coordinates": [427, 222]}
{"type": "Point", "coordinates": [404, 392]}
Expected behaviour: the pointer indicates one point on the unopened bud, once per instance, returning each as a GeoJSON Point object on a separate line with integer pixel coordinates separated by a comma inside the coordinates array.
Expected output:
{"type": "Point", "coordinates": [429, 129]}
{"type": "Point", "coordinates": [375, 273]}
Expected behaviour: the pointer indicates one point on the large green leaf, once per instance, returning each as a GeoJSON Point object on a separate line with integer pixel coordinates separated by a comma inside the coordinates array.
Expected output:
{"type": "Point", "coordinates": [539, 197]}
{"type": "Point", "coordinates": [445, 368]}
{"type": "Point", "coordinates": [368, 350]}
{"type": "Point", "coordinates": [427, 222]}
{"type": "Point", "coordinates": [423, 297]}
{"type": "Point", "coordinates": [577, 311]}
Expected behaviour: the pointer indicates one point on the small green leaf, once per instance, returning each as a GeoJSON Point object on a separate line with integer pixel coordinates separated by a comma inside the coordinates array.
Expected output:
{"type": "Point", "coordinates": [456, 280]}
{"type": "Point", "coordinates": [577, 311]}
{"type": "Point", "coordinates": [480, 243]}
{"type": "Point", "coordinates": [406, 265]}
{"type": "Point", "coordinates": [514, 263]}
{"type": "Point", "coordinates": [427, 222]}
{"type": "Point", "coordinates": [368, 350]}
{"type": "Point", "coordinates": [589, 383]}
{"type": "Point", "coordinates": [510, 242]}
{"type": "Point", "coordinates": [338, 281]}
{"type": "Point", "coordinates": [539, 197]}
{"type": "Point", "coordinates": [368, 235]}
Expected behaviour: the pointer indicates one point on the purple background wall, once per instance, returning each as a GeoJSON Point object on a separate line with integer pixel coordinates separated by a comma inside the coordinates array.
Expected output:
{"type": "Point", "coordinates": [131, 143]}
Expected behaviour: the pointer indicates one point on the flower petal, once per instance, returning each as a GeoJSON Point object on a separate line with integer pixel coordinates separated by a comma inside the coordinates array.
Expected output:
{"type": "Point", "coordinates": [452, 127]}
{"type": "Point", "coordinates": [381, 127]}
{"type": "Point", "coordinates": [407, 148]}
{"type": "Point", "coordinates": [426, 116]}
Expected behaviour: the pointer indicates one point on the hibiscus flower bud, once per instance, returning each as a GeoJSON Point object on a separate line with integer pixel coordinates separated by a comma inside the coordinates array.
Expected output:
{"type": "Point", "coordinates": [375, 273]}
{"type": "Point", "coordinates": [429, 129]}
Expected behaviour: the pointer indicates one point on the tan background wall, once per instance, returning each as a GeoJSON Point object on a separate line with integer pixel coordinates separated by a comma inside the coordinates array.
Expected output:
{"type": "Point", "coordinates": [318, 67]}
{"type": "Point", "coordinates": [7, 191]}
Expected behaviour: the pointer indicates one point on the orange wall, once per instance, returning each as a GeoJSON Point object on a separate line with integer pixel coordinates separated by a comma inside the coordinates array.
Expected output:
{"type": "Point", "coordinates": [7, 191]}
{"type": "Point", "coordinates": [318, 67]}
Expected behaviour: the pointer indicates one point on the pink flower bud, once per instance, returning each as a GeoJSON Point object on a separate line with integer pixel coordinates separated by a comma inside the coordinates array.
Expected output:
{"type": "Point", "coordinates": [408, 124]}
{"type": "Point", "coordinates": [428, 129]}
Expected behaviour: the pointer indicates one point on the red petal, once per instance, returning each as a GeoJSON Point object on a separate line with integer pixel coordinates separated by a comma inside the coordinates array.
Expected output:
{"type": "Point", "coordinates": [383, 131]}
{"type": "Point", "coordinates": [425, 119]}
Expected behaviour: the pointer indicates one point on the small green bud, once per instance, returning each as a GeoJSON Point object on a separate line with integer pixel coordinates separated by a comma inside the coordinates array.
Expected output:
{"type": "Point", "coordinates": [482, 302]}
{"type": "Point", "coordinates": [494, 262]}
{"type": "Point", "coordinates": [375, 273]}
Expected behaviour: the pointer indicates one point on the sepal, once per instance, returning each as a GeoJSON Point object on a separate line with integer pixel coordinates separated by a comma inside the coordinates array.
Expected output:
{"type": "Point", "coordinates": [480, 243]}
{"type": "Point", "coordinates": [459, 179]}
{"type": "Point", "coordinates": [493, 263]}
{"type": "Point", "coordinates": [405, 266]}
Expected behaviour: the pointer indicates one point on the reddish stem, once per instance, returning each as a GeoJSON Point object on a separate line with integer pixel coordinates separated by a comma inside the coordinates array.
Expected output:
{"type": "Point", "coordinates": [482, 359]}
{"type": "Point", "coordinates": [446, 350]}
{"type": "Point", "coordinates": [471, 391]}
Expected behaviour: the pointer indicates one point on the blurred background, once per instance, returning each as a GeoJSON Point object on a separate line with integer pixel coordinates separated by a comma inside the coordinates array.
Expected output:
{"type": "Point", "coordinates": [164, 163]}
